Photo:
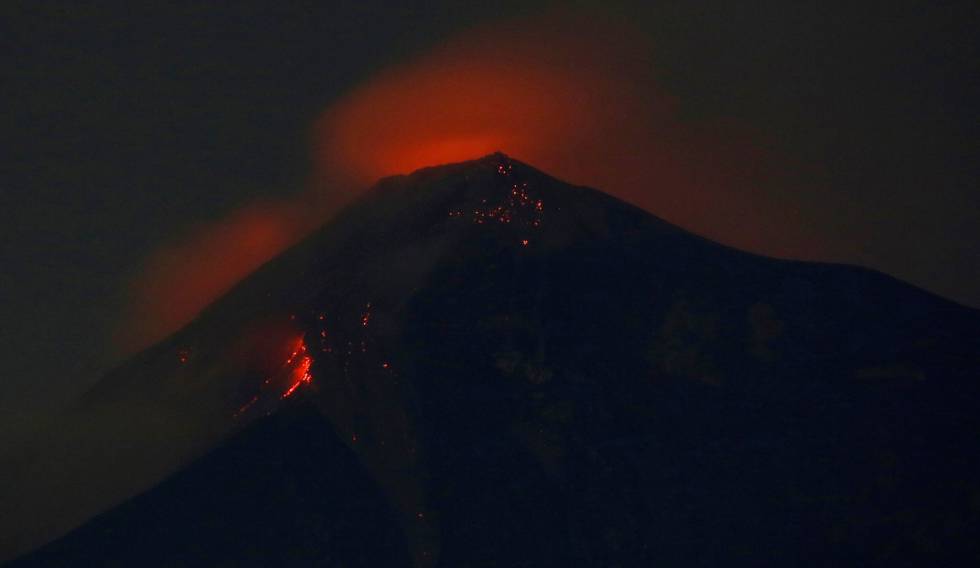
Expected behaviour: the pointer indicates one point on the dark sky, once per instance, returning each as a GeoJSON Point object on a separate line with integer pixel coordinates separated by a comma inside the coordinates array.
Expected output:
{"type": "Point", "coordinates": [125, 126]}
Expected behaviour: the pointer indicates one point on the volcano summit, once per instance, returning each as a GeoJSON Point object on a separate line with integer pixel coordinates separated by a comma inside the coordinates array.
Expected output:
{"type": "Point", "coordinates": [480, 365]}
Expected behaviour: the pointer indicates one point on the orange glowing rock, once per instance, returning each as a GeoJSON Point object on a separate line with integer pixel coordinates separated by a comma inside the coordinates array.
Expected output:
{"type": "Point", "coordinates": [294, 372]}
{"type": "Point", "coordinates": [244, 408]}
{"type": "Point", "coordinates": [299, 364]}
{"type": "Point", "coordinates": [301, 375]}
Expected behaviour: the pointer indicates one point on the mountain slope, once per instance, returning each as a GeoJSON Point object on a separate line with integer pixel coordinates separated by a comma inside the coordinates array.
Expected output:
{"type": "Point", "coordinates": [283, 492]}
{"type": "Point", "coordinates": [538, 374]}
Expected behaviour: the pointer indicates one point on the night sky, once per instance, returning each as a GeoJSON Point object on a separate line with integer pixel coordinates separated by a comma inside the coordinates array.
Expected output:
{"type": "Point", "coordinates": [127, 128]}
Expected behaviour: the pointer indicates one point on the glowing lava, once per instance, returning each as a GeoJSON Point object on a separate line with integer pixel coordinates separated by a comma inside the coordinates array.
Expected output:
{"type": "Point", "coordinates": [295, 372]}
{"type": "Point", "coordinates": [300, 363]}
{"type": "Point", "coordinates": [517, 208]}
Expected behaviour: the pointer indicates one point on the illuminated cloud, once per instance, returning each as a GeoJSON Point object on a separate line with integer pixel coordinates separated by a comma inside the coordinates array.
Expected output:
{"type": "Point", "coordinates": [578, 97]}
{"type": "Point", "coordinates": [180, 279]}
{"type": "Point", "coordinates": [575, 96]}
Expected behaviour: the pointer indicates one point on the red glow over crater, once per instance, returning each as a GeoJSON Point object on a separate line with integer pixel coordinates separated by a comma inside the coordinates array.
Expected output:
{"type": "Point", "coordinates": [518, 89]}
{"type": "Point", "coordinates": [579, 98]}
{"type": "Point", "coordinates": [575, 97]}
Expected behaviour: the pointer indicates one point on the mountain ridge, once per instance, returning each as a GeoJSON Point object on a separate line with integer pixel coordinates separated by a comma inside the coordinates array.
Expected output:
{"type": "Point", "coordinates": [471, 321]}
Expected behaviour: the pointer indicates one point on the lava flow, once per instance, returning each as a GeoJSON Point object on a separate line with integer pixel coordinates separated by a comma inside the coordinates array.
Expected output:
{"type": "Point", "coordinates": [294, 373]}
{"type": "Point", "coordinates": [299, 364]}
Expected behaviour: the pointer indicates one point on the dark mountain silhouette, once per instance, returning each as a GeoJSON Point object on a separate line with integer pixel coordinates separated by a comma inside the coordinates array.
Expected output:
{"type": "Point", "coordinates": [485, 366]}
{"type": "Point", "coordinates": [284, 492]}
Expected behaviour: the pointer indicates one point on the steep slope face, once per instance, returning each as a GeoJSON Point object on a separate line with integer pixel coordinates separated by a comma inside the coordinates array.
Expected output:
{"type": "Point", "coordinates": [284, 492]}
{"type": "Point", "coordinates": [538, 374]}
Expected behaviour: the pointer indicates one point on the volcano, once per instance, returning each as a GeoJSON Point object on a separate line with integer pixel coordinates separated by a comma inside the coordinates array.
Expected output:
{"type": "Point", "coordinates": [480, 365]}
